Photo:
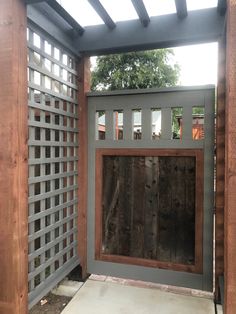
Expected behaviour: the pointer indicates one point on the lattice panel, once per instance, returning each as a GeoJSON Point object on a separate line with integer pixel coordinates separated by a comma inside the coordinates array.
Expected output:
{"type": "Point", "coordinates": [53, 159]}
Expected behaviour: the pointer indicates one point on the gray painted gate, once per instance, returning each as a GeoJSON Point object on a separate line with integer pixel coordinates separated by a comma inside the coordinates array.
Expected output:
{"type": "Point", "coordinates": [106, 105]}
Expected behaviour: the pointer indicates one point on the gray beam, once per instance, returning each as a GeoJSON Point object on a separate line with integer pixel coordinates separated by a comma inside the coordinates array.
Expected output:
{"type": "Point", "coordinates": [99, 8]}
{"type": "Point", "coordinates": [40, 20]}
{"type": "Point", "coordinates": [62, 13]}
{"type": "Point", "coordinates": [163, 31]}
{"type": "Point", "coordinates": [33, 1]}
{"type": "Point", "coordinates": [66, 16]}
{"type": "Point", "coordinates": [141, 11]}
{"type": "Point", "coordinates": [222, 6]}
{"type": "Point", "coordinates": [181, 8]}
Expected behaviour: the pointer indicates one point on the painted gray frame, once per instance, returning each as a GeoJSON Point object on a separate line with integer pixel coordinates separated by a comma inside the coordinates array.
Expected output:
{"type": "Point", "coordinates": [164, 31]}
{"type": "Point", "coordinates": [146, 99]}
{"type": "Point", "coordinates": [200, 26]}
{"type": "Point", "coordinates": [55, 29]}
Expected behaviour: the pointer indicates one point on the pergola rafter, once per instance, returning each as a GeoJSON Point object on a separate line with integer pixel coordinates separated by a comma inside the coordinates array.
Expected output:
{"type": "Point", "coordinates": [68, 18]}
{"type": "Point", "coordinates": [33, 1]}
{"type": "Point", "coordinates": [181, 8]}
{"type": "Point", "coordinates": [221, 6]}
{"type": "Point", "coordinates": [77, 28]}
{"type": "Point", "coordinates": [101, 11]}
{"type": "Point", "coordinates": [142, 12]}
{"type": "Point", "coordinates": [163, 31]}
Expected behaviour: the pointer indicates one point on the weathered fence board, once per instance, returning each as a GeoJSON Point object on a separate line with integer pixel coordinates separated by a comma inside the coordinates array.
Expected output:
{"type": "Point", "coordinates": [148, 207]}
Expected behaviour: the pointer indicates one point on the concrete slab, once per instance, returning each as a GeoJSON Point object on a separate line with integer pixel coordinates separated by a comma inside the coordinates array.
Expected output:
{"type": "Point", "coordinates": [67, 288]}
{"type": "Point", "coordinates": [219, 309]}
{"type": "Point", "coordinates": [104, 297]}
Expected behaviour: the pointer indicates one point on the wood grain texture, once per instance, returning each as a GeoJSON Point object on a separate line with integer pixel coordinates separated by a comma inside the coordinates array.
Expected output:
{"type": "Point", "coordinates": [220, 167]}
{"type": "Point", "coordinates": [84, 87]}
{"type": "Point", "coordinates": [143, 224]}
{"type": "Point", "coordinates": [230, 168]}
{"type": "Point", "coordinates": [13, 158]}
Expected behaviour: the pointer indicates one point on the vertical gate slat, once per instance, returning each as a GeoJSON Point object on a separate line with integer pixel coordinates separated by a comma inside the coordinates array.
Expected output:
{"type": "Point", "coordinates": [187, 123]}
{"type": "Point", "coordinates": [128, 124]}
{"type": "Point", "coordinates": [166, 131]}
{"type": "Point", "coordinates": [109, 125]}
{"type": "Point", "coordinates": [146, 124]}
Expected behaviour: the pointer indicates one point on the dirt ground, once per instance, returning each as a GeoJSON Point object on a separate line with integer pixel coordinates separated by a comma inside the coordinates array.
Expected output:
{"type": "Point", "coordinates": [54, 305]}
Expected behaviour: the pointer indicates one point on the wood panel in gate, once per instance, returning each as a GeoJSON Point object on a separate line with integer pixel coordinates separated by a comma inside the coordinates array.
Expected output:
{"type": "Point", "coordinates": [149, 207]}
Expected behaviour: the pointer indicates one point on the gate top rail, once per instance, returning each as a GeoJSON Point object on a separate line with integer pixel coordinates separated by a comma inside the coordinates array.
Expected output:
{"type": "Point", "coordinates": [153, 90]}
{"type": "Point", "coordinates": [176, 117]}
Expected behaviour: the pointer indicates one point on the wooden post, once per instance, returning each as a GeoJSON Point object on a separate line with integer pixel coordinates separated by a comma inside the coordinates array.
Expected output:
{"type": "Point", "coordinates": [220, 167]}
{"type": "Point", "coordinates": [84, 86]}
{"type": "Point", "coordinates": [230, 170]}
{"type": "Point", "coordinates": [13, 158]}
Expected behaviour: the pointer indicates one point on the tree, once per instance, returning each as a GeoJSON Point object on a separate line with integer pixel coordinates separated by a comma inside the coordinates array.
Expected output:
{"type": "Point", "coordinates": [135, 70]}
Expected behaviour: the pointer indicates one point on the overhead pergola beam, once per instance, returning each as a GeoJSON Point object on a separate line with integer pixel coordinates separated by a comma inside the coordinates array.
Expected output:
{"type": "Point", "coordinates": [62, 12]}
{"type": "Point", "coordinates": [200, 26]}
{"type": "Point", "coordinates": [66, 16]}
{"type": "Point", "coordinates": [163, 31]}
{"type": "Point", "coordinates": [221, 6]}
{"type": "Point", "coordinates": [39, 20]}
{"type": "Point", "coordinates": [141, 11]}
{"type": "Point", "coordinates": [181, 8]}
{"type": "Point", "coordinates": [101, 11]}
{"type": "Point", "coordinates": [33, 1]}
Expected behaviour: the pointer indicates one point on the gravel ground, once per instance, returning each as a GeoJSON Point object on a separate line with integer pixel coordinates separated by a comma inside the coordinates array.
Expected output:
{"type": "Point", "coordinates": [54, 304]}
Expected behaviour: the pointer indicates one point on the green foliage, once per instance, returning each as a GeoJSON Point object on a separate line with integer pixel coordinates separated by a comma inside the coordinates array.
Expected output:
{"type": "Point", "coordinates": [175, 125]}
{"type": "Point", "coordinates": [135, 70]}
{"type": "Point", "coordinates": [198, 110]}
{"type": "Point", "coordinates": [178, 112]}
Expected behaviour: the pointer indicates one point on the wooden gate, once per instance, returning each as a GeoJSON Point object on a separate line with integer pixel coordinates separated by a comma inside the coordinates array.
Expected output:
{"type": "Point", "coordinates": [151, 185]}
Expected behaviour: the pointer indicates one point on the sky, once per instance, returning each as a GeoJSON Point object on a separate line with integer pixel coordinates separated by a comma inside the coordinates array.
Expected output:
{"type": "Point", "coordinates": [198, 63]}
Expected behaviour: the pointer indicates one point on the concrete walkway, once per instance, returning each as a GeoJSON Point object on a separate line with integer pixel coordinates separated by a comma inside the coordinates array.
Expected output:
{"type": "Point", "coordinates": [108, 297]}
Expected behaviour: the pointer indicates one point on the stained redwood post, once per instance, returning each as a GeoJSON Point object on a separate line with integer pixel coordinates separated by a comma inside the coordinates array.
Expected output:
{"type": "Point", "coordinates": [220, 166]}
{"type": "Point", "coordinates": [230, 158]}
{"type": "Point", "coordinates": [84, 86]}
{"type": "Point", "coordinates": [13, 158]}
